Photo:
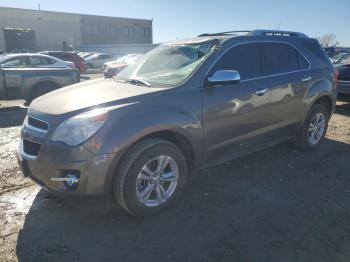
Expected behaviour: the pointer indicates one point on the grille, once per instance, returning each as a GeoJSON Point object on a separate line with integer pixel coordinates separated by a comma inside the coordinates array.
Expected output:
{"type": "Point", "coordinates": [31, 148]}
{"type": "Point", "coordinates": [344, 78]}
{"type": "Point", "coordinates": [38, 123]}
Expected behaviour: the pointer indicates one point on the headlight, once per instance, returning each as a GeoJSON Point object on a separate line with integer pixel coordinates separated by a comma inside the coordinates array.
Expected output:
{"type": "Point", "coordinates": [80, 128]}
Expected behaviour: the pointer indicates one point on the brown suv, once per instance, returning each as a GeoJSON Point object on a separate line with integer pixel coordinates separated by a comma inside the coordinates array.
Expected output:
{"type": "Point", "coordinates": [185, 105]}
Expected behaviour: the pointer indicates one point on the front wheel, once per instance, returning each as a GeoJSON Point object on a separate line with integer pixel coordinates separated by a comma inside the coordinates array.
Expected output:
{"type": "Point", "coordinates": [314, 128]}
{"type": "Point", "coordinates": [151, 177]}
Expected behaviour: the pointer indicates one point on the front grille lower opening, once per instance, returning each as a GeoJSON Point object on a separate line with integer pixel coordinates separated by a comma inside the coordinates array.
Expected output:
{"type": "Point", "coordinates": [31, 148]}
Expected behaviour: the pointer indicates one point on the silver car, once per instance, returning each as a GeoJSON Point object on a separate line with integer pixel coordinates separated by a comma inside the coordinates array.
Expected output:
{"type": "Point", "coordinates": [97, 60]}
{"type": "Point", "coordinates": [33, 60]}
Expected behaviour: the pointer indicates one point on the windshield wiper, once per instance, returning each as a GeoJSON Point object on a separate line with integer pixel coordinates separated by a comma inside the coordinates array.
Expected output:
{"type": "Point", "coordinates": [138, 81]}
{"type": "Point", "coordinates": [133, 81]}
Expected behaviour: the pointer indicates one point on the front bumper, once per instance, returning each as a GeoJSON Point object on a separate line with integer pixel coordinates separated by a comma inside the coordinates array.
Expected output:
{"type": "Point", "coordinates": [56, 160]}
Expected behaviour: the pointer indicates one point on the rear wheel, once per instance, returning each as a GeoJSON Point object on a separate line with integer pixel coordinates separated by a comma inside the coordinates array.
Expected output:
{"type": "Point", "coordinates": [151, 177]}
{"type": "Point", "coordinates": [314, 128]}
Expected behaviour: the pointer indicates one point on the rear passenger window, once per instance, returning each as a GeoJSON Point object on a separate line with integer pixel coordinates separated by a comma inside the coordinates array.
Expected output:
{"type": "Point", "coordinates": [242, 58]}
{"type": "Point", "coordinates": [303, 64]}
{"type": "Point", "coordinates": [280, 58]}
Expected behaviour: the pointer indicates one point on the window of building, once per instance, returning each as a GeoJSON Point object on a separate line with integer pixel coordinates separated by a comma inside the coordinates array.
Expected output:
{"type": "Point", "coordinates": [92, 29]}
{"type": "Point", "coordinates": [114, 30]}
{"type": "Point", "coordinates": [145, 32]}
{"type": "Point", "coordinates": [128, 30]}
{"type": "Point", "coordinates": [243, 58]}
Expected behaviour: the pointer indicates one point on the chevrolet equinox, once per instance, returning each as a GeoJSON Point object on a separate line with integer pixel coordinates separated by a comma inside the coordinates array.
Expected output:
{"type": "Point", "coordinates": [184, 106]}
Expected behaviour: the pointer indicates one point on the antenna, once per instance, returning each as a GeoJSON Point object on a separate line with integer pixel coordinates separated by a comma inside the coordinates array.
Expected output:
{"type": "Point", "coordinates": [279, 25]}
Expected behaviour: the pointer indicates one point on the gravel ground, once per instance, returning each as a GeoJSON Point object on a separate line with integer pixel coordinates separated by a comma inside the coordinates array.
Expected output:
{"type": "Point", "coordinates": [280, 204]}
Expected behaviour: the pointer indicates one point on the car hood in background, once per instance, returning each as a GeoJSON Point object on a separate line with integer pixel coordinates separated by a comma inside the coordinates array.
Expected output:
{"type": "Point", "coordinates": [117, 65]}
{"type": "Point", "coordinates": [88, 94]}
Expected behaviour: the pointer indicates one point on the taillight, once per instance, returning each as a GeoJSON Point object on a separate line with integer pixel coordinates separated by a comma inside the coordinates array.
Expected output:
{"type": "Point", "coordinates": [71, 66]}
{"type": "Point", "coordinates": [336, 74]}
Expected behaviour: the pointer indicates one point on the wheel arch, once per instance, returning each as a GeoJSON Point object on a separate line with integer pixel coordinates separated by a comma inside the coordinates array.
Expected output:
{"type": "Point", "coordinates": [178, 138]}
{"type": "Point", "coordinates": [41, 83]}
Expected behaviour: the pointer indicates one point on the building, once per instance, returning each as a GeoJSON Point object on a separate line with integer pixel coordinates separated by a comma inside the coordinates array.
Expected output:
{"type": "Point", "coordinates": [36, 30]}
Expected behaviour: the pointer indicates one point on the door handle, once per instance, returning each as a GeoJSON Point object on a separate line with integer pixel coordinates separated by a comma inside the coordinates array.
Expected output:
{"type": "Point", "coordinates": [307, 78]}
{"type": "Point", "coordinates": [261, 92]}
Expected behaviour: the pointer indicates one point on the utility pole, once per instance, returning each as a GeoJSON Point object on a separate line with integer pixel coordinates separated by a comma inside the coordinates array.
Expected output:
{"type": "Point", "coordinates": [39, 7]}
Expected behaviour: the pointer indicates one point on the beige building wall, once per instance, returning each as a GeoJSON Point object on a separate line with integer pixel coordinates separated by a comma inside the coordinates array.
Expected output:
{"type": "Point", "coordinates": [51, 28]}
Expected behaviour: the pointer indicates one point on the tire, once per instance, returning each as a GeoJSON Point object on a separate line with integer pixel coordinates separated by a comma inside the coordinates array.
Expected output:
{"type": "Point", "coordinates": [39, 90]}
{"type": "Point", "coordinates": [128, 187]}
{"type": "Point", "coordinates": [304, 139]}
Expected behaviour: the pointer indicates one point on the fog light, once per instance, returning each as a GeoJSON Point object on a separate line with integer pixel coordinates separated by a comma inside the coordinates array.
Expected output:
{"type": "Point", "coordinates": [71, 180]}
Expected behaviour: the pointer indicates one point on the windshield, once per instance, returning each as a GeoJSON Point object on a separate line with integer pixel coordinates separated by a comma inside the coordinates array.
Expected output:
{"type": "Point", "coordinates": [168, 64]}
{"type": "Point", "coordinates": [344, 60]}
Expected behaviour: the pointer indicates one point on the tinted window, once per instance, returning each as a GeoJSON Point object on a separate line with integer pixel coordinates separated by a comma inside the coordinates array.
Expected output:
{"type": "Point", "coordinates": [63, 56]}
{"type": "Point", "coordinates": [318, 52]}
{"type": "Point", "coordinates": [243, 58]}
{"type": "Point", "coordinates": [280, 58]}
{"type": "Point", "coordinates": [303, 64]}
{"type": "Point", "coordinates": [36, 60]}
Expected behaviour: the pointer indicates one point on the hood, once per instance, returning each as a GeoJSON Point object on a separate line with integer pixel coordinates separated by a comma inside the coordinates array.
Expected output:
{"type": "Point", "coordinates": [99, 92]}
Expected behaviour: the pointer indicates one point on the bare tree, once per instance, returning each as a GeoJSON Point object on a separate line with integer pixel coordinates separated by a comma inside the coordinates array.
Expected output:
{"type": "Point", "coordinates": [328, 40]}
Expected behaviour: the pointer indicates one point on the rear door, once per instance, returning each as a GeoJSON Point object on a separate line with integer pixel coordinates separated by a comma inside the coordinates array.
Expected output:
{"type": "Point", "coordinates": [235, 116]}
{"type": "Point", "coordinates": [286, 71]}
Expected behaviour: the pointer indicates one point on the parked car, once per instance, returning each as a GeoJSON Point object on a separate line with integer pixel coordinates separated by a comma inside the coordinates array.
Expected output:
{"type": "Point", "coordinates": [114, 67]}
{"type": "Point", "coordinates": [343, 88]}
{"type": "Point", "coordinates": [97, 60]}
{"type": "Point", "coordinates": [19, 79]}
{"type": "Point", "coordinates": [183, 106]}
{"type": "Point", "coordinates": [33, 60]}
{"type": "Point", "coordinates": [338, 57]}
{"type": "Point", "coordinates": [85, 54]}
{"type": "Point", "coordinates": [68, 56]}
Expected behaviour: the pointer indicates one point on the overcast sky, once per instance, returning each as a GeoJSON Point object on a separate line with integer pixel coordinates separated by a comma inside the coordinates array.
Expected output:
{"type": "Point", "coordinates": [184, 18]}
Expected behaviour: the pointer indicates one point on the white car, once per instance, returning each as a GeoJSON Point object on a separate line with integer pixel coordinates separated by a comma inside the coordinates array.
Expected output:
{"type": "Point", "coordinates": [97, 60]}
{"type": "Point", "coordinates": [129, 58]}
{"type": "Point", "coordinates": [33, 60]}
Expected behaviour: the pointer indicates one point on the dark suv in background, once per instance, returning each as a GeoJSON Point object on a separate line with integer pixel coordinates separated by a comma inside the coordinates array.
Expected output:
{"type": "Point", "coordinates": [184, 106]}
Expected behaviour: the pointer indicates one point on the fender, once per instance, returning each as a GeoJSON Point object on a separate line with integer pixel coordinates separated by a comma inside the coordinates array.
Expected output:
{"type": "Point", "coordinates": [123, 131]}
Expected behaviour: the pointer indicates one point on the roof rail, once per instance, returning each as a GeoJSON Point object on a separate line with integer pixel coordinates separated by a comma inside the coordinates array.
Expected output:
{"type": "Point", "coordinates": [257, 33]}
{"type": "Point", "coordinates": [277, 33]}
{"type": "Point", "coordinates": [226, 33]}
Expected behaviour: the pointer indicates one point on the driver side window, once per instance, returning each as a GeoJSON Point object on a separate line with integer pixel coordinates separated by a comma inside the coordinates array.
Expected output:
{"type": "Point", "coordinates": [244, 58]}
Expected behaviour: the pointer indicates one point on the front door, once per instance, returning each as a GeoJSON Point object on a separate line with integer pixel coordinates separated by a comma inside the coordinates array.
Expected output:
{"type": "Point", "coordinates": [235, 116]}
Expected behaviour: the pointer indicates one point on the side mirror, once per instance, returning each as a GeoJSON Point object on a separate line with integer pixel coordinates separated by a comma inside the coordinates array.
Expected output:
{"type": "Point", "coordinates": [224, 77]}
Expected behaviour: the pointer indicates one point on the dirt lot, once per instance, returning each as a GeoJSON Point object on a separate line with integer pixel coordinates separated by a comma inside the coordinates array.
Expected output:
{"type": "Point", "coordinates": [280, 204]}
